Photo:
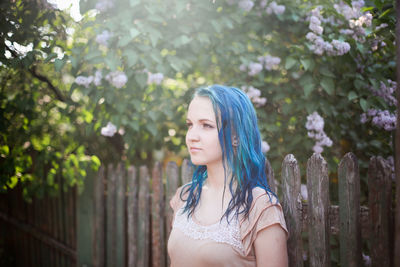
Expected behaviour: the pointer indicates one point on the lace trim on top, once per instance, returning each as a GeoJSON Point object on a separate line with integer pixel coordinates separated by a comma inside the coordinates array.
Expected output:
{"type": "Point", "coordinates": [220, 232]}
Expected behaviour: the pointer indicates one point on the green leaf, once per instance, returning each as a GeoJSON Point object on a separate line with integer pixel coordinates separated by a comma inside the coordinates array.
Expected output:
{"type": "Point", "coordinates": [134, 2]}
{"type": "Point", "coordinates": [364, 104]}
{"type": "Point", "coordinates": [307, 82]}
{"type": "Point", "coordinates": [328, 85]}
{"type": "Point", "coordinates": [152, 128]}
{"type": "Point", "coordinates": [134, 33]}
{"type": "Point", "coordinates": [308, 88]}
{"type": "Point", "coordinates": [131, 57]}
{"type": "Point", "coordinates": [50, 57]}
{"type": "Point", "coordinates": [308, 64]}
{"type": "Point", "coordinates": [326, 72]}
{"type": "Point", "coordinates": [58, 64]}
{"type": "Point", "coordinates": [352, 95]}
{"type": "Point", "coordinates": [290, 62]}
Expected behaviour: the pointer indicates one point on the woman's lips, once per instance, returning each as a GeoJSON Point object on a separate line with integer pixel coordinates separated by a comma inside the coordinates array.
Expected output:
{"type": "Point", "coordinates": [194, 149]}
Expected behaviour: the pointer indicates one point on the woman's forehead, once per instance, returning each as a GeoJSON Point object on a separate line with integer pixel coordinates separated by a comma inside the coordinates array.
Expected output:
{"type": "Point", "coordinates": [201, 108]}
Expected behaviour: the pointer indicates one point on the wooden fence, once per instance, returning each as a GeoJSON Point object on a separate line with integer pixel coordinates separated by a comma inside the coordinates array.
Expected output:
{"type": "Point", "coordinates": [123, 216]}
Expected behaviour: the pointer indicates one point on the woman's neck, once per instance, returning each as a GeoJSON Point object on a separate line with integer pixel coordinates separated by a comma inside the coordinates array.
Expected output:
{"type": "Point", "coordinates": [216, 177]}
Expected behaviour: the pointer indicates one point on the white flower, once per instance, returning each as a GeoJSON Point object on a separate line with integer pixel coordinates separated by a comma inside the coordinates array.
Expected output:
{"type": "Point", "coordinates": [85, 81]}
{"type": "Point", "coordinates": [246, 5]}
{"type": "Point", "coordinates": [103, 37]}
{"type": "Point", "coordinates": [341, 47]}
{"type": "Point", "coordinates": [264, 147]}
{"type": "Point", "coordinates": [156, 78]}
{"type": "Point", "coordinates": [316, 28]}
{"type": "Point", "coordinates": [109, 130]}
{"type": "Point", "coordinates": [318, 149]}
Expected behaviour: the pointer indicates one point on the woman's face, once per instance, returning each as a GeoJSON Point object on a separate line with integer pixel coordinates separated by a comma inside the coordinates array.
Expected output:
{"type": "Point", "coordinates": [202, 134]}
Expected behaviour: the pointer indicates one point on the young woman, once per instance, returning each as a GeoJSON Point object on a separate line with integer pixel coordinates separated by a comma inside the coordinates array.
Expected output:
{"type": "Point", "coordinates": [227, 215]}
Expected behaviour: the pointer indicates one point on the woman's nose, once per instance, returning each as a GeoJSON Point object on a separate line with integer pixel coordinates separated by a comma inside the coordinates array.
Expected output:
{"type": "Point", "coordinates": [192, 134]}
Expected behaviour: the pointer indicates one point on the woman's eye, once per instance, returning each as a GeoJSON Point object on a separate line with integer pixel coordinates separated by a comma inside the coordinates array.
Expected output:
{"type": "Point", "coordinates": [208, 125]}
{"type": "Point", "coordinates": [188, 124]}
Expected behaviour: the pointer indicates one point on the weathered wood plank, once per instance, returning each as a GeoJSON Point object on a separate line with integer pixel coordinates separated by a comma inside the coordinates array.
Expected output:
{"type": "Point", "coordinates": [143, 218]}
{"type": "Point", "coordinates": [85, 219]}
{"type": "Point", "coordinates": [98, 224]}
{"type": "Point", "coordinates": [132, 207]}
{"type": "Point", "coordinates": [349, 212]}
{"type": "Point", "coordinates": [270, 176]}
{"type": "Point", "coordinates": [187, 171]}
{"type": "Point", "coordinates": [380, 203]}
{"type": "Point", "coordinates": [318, 211]}
{"type": "Point", "coordinates": [172, 176]}
{"type": "Point", "coordinates": [120, 185]}
{"type": "Point", "coordinates": [292, 209]}
{"type": "Point", "coordinates": [111, 239]}
{"type": "Point", "coordinates": [158, 219]}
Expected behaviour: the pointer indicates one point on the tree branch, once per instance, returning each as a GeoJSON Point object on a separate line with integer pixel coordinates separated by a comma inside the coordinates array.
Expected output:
{"type": "Point", "coordinates": [40, 77]}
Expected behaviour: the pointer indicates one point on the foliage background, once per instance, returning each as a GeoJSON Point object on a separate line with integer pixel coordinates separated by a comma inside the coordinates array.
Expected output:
{"type": "Point", "coordinates": [51, 122]}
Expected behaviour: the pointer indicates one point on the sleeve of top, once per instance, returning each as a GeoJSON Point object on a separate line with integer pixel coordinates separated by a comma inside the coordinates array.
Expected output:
{"type": "Point", "coordinates": [264, 212]}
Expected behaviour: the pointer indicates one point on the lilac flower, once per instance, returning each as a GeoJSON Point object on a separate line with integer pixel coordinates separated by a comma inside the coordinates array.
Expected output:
{"type": "Point", "coordinates": [341, 47]}
{"type": "Point", "coordinates": [263, 3]}
{"type": "Point", "coordinates": [117, 78]}
{"type": "Point", "coordinates": [380, 118]}
{"type": "Point", "coordinates": [273, 7]}
{"type": "Point", "coordinates": [254, 95]}
{"type": "Point", "coordinates": [246, 5]}
{"type": "Point", "coordinates": [103, 37]}
{"type": "Point", "coordinates": [269, 62]}
{"type": "Point", "coordinates": [85, 81]}
{"type": "Point", "coordinates": [264, 147]}
{"type": "Point", "coordinates": [255, 68]}
{"type": "Point", "coordinates": [156, 78]}
{"type": "Point", "coordinates": [315, 122]}
{"type": "Point", "coordinates": [97, 78]}
{"type": "Point", "coordinates": [315, 127]}
{"type": "Point", "coordinates": [386, 92]}
{"type": "Point", "coordinates": [103, 5]}
{"type": "Point", "coordinates": [109, 130]}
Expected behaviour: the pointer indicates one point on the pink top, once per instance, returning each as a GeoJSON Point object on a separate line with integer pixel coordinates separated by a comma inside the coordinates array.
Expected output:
{"type": "Point", "coordinates": [221, 244]}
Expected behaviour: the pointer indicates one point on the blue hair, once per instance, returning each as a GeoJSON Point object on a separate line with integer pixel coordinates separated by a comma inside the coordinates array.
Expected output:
{"type": "Point", "coordinates": [246, 163]}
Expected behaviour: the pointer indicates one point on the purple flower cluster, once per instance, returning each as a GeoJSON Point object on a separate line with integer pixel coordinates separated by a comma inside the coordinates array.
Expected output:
{"type": "Point", "coordinates": [264, 147]}
{"type": "Point", "coordinates": [315, 126]}
{"type": "Point", "coordinates": [386, 91]}
{"type": "Point", "coordinates": [270, 8]}
{"type": "Point", "coordinates": [156, 78]}
{"type": "Point", "coordinates": [267, 62]}
{"type": "Point", "coordinates": [255, 95]}
{"type": "Point", "coordinates": [86, 81]}
{"type": "Point", "coordinates": [103, 37]}
{"type": "Point", "coordinates": [117, 78]}
{"type": "Point", "coordinates": [103, 5]}
{"type": "Point", "coordinates": [380, 118]}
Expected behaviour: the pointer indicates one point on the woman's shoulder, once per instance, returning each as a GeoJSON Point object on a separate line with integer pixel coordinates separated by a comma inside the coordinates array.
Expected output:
{"type": "Point", "coordinates": [176, 201]}
{"type": "Point", "coordinates": [262, 197]}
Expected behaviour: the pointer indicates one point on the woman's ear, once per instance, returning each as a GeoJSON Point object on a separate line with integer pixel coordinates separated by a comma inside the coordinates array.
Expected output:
{"type": "Point", "coordinates": [235, 141]}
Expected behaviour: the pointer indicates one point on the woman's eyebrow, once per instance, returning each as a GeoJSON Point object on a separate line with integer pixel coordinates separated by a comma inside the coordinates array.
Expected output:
{"type": "Point", "coordinates": [201, 120]}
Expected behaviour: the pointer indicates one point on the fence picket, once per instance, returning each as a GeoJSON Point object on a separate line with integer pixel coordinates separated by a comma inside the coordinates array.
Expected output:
{"type": "Point", "coordinates": [120, 215]}
{"type": "Point", "coordinates": [187, 171]}
{"type": "Point", "coordinates": [111, 219]}
{"type": "Point", "coordinates": [349, 211]}
{"type": "Point", "coordinates": [270, 176]}
{"type": "Point", "coordinates": [143, 218]}
{"type": "Point", "coordinates": [132, 214]}
{"type": "Point", "coordinates": [291, 182]}
{"type": "Point", "coordinates": [380, 203]}
{"type": "Point", "coordinates": [318, 211]}
{"type": "Point", "coordinates": [98, 226]}
{"type": "Point", "coordinates": [158, 220]}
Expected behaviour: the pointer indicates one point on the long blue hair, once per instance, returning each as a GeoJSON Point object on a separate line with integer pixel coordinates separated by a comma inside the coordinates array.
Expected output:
{"type": "Point", "coordinates": [245, 162]}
